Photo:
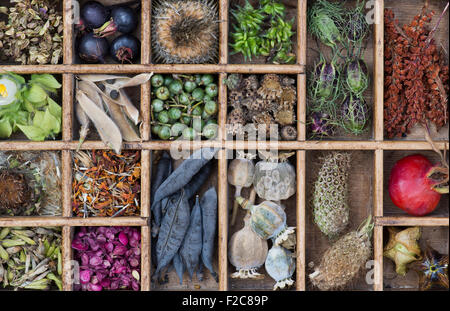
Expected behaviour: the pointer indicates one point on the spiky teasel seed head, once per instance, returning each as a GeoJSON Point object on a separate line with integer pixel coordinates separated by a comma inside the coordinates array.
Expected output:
{"type": "Point", "coordinates": [14, 193]}
{"type": "Point", "coordinates": [342, 262]}
{"type": "Point", "coordinates": [330, 207]}
{"type": "Point", "coordinates": [185, 32]}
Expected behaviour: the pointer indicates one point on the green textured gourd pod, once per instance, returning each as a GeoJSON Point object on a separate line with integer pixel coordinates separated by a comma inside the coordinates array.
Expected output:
{"type": "Point", "coordinates": [330, 207]}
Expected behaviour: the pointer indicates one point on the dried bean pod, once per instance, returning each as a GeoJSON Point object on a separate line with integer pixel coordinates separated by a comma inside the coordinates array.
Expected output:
{"type": "Point", "coordinates": [162, 172]}
{"type": "Point", "coordinates": [179, 266]}
{"type": "Point", "coordinates": [184, 173]}
{"type": "Point", "coordinates": [192, 245]}
{"type": "Point", "coordinates": [174, 226]}
{"type": "Point", "coordinates": [208, 206]}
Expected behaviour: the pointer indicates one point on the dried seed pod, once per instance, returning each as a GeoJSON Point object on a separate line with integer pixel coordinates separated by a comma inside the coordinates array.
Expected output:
{"type": "Point", "coordinates": [247, 252]}
{"type": "Point", "coordinates": [15, 194]}
{"type": "Point", "coordinates": [271, 87]}
{"type": "Point", "coordinates": [280, 265]}
{"type": "Point", "coordinates": [185, 32]}
{"type": "Point", "coordinates": [235, 121]}
{"type": "Point", "coordinates": [234, 81]}
{"type": "Point", "coordinates": [356, 78]}
{"type": "Point", "coordinates": [267, 220]}
{"type": "Point", "coordinates": [355, 114]}
{"type": "Point", "coordinates": [330, 207]}
{"type": "Point", "coordinates": [274, 180]}
{"type": "Point", "coordinates": [264, 120]}
{"type": "Point", "coordinates": [250, 83]}
{"type": "Point", "coordinates": [342, 262]}
{"type": "Point", "coordinates": [288, 132]}
{"type": "Point", "coordinates": [240, 174]}
{"type": "Point", "coordinates": [403, 247]}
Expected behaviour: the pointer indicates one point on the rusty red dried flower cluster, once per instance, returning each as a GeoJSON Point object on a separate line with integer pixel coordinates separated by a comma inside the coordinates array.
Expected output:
{"type": "Point", "coordinates": [416, 78]}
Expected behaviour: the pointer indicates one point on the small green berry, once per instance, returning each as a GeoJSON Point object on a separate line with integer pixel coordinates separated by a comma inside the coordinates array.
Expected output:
{"type": "Point", "coordinates": [157, 105]}
{"type": "Point", "coordinates": [198, 94]}
{"type": "Point", "coordinates": [162, 93]}
{"type": "Point", "coordinates": [157, 80]}
{"type": "Point", "coordinates": [164, 132]}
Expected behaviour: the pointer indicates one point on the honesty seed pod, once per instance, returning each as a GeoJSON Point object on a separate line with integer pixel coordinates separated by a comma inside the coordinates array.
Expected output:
{"type": "Point", "coordinates": [268, 220]}
{"type": "Point", "coordinates": [280, 265]}
{"type": "Point", "coordinates": [274, 180]}
{"type": "Point", "coordinates": [240, 174]}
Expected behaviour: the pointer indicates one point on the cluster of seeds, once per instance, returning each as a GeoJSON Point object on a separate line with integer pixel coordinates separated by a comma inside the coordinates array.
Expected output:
{"type": "Point", "coordinates": [184, 106]}
{"type": "Point", "coordinates": [265, 102]}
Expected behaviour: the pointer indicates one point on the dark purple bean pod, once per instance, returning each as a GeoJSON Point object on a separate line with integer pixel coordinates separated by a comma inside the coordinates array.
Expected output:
{"type": "Point", "coordinates": [191, 249]}
{"type": "Point", "coordinates": [184, 173]}
{"type": "Point", "coordinates": [179, 266]}
{"type": "Point", "coordinates": [163, 170]}
{"type": "Point", "coordinates": [174, 226]}
{"type": "Point", "coordinates": [208, 206]}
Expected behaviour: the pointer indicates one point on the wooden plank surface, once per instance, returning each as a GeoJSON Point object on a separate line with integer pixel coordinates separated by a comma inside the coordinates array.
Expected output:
{"type": "Point", "coordinates": [373, 145]}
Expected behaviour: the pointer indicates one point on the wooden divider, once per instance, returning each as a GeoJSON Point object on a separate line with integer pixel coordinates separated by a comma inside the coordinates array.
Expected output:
{"type": "Point", "coordinates": [68, 69]}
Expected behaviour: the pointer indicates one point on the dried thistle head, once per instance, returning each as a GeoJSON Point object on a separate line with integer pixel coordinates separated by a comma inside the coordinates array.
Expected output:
{"type": "Point", "coordinates": [185, 32]}
{"type": "Point", "coordinates": [15, 194]}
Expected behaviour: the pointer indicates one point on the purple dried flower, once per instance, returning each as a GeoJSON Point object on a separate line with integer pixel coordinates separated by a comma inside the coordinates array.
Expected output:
{"type": "Point", "coordinates": [85, 276]}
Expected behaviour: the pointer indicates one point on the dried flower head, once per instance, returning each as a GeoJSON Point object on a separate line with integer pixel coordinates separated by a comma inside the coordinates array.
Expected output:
{"type": "Point", "coordinates": [33, 33]}
{"type": "Point", "coordinates": [14, 192]}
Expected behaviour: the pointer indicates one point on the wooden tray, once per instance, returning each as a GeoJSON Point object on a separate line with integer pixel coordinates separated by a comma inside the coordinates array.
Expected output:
{"type": "Point", "coordinates": [374, 154]}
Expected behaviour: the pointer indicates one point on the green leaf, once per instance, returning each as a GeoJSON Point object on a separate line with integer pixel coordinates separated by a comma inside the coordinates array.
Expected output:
{"type": "Point", "coordinates": [5, 128]}
{"type": "Point", "coordinates": [16, 77]}
{"type": "Point", "coordinates": [38, 119]}
{"type": "Point", "coordinates": [51, 124]}
{"type": "Point", "coordinates": [28, 106]}
{"type": "Point", "coordinates": [33, 132]}
{"type": "Point", "coordinates": [54, 109]}
{"type": "Point", "coordinates": [46, 81]}
{"type": "Point", "coordinates": [36, 95]}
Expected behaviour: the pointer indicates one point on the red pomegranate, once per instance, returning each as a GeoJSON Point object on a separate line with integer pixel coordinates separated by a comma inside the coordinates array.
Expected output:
{"type": "Point", "coordinates": [416, 185]}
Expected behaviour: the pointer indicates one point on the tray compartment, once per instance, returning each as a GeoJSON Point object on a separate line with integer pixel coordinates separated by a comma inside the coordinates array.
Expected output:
{"type": "Point", "coordinates": [437, 238]}
{"type": "Point", "coordinates": [108, 60]}
{"type": "Point", "coordinates": [291, 210]}
{"type": "Point", "coordinates": [292, 12]}
{"type": "Point", "coordinates": [390, 158]}
{"type": "Point", "coordinates": [3, 17]}
{"type": "Point", "coordinates": [312, 57]}
{"type": "Point", "coordinates": [404, 11]}
{"type": "Point", "coordinates": [208, 282]}
{"type": "Point", "coordinates": [360, 187]}
{"type": "Point", "coordinates": [59, 98]}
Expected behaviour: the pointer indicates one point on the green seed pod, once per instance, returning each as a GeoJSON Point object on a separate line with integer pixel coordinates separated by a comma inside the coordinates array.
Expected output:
{"type": "Point", "coordinates": [325, 20]}
{"type": "Point", "coordinates": [355, 114]}
{"type": "Point", "coordinates": [356, 78]}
